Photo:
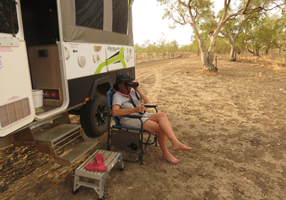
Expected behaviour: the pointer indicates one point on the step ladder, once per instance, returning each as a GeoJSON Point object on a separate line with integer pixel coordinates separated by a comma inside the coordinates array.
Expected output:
{"type": "Point", "coordinates": [93, 179]}
{"type": "Point", "coordinates": [64, 141]}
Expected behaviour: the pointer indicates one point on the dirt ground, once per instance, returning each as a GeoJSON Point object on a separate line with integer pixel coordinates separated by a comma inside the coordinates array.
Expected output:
{"type": "Point", "coordinates": [234, 121]}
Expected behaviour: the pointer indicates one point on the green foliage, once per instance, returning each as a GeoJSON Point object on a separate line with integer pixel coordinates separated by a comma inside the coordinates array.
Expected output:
{"type": "Point", "coordinates": [222, 47]}
{"type": "Point", "coordinates": [138, 49]}
{"type": "Point", "coordinates": [163, 48]}
{"type": "Point", "coordinates": [185, 48]}
{"type": "Point", "coordinates": [266, 33]}
{"type": "Point", "coordinates": [204, 9]}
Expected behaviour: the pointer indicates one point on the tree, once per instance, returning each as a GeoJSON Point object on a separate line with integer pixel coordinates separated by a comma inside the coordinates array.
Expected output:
{"type": "Point", "coordinates": [280, 24]}
{"type": "Point", "coordinates": [233, 28]}
{"type": "Point", "coordinates": [148, 49]}
{"type": "Point", "coordinates": [185, 48]}
{"type": "Point", "coordinates": [162, 43]}
{"type": "Point", "coordinates": [138, 50]}
{"type": "Point", "coordinates": [194, 12]}
{"type": "Point", "coordinates": [262, 35]}
{"type": "Point", "coordinates": [173, 48]}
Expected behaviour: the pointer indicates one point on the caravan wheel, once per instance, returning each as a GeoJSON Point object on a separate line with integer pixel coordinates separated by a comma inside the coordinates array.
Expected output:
{"type": "Point", "coordinates": [94, 116]}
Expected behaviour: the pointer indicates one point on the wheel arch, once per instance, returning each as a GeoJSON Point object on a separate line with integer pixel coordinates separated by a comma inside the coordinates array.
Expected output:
{"type": "Point", "coordinates": [101, 86]}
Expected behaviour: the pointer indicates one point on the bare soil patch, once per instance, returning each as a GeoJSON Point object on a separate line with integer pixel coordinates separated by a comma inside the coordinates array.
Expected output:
{"type": "Point", "coordinates": [234, 120]}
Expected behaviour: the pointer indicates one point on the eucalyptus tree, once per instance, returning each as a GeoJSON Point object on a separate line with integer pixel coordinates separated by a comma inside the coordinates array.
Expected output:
{"type": "Point", "coordinates": [280, 25]}
{"type": "Point", "coordinates": [173, 48]}
{"type": "Point", "coordinates": [185, 48]}
{"type": "Point", "coordinates": [156, 49]}
{"type": "Point", "coordinates": [162, 44]}
{"type": "Point", "coordinates": [149, 49]}
{"type": "Point", "coordinates": [233, 28]}
{"type": "Point", "coordinates": [138, 51]}
{"type": "Point", "coordinates": [193, 12]}
{"type": "Point", "coordinates": [263, 34]}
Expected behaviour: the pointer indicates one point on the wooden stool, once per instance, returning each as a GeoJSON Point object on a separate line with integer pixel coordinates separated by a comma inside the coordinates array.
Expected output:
{"type": "Point", "coordinates": [99, 178]}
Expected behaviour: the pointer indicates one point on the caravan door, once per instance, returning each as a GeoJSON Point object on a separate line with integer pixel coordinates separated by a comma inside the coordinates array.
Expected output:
{"type": "Point", "coordinates": [16, 101]}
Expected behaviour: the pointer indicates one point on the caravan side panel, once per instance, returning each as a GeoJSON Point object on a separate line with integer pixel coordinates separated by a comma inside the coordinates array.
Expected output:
{"type": "Point", "coordinates": [16, 101]}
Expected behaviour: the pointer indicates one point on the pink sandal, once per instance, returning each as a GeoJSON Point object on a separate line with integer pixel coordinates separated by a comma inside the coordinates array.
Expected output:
{"type": "Point", "coordinates": [96, 167]}
{"type": "Point", "coordinates": [99, 158]}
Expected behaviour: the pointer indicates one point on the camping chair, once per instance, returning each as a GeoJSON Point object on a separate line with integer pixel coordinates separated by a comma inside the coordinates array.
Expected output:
{"type": "Point", "coordinates": [128, 138]}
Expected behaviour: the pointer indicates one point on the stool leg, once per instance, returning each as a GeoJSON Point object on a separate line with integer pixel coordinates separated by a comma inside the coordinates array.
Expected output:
{"type": "Point", "coordinates": [120, 160]}
{"type": "Point", "coordinates": [76, 179]}
{"type": "Point", "coordinates": [101, 188]}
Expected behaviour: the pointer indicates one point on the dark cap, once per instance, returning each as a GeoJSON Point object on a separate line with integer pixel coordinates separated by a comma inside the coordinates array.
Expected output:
{"type": "Point", "coordinates": [121, 77]}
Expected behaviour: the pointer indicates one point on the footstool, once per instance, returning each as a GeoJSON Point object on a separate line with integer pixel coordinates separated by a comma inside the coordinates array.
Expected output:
{"type": "Point", "coordinates": [93, 179]}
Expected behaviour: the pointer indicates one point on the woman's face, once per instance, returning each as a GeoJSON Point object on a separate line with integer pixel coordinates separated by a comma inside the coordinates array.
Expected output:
{"type": "Point", "coordinates": [122, 87]}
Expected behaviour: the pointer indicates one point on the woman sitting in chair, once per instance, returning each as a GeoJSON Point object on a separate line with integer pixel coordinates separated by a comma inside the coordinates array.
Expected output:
{"type": "Point", "coordinates": [126, 102]}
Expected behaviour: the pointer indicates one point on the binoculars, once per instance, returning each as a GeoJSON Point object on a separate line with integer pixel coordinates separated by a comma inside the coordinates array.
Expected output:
{"type": "Point", "coordinates": [131, 84]}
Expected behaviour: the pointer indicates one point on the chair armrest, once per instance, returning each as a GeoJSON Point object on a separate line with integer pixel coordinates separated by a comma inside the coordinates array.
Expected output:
{"type": "Point", "coordinates": [150, 106]}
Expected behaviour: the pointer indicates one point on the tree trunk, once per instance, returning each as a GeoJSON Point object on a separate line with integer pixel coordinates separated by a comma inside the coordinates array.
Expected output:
{"type": "Point", "coordinates": [205, 60]}
{"type": "Point", "coordinates": [207, 65]}
{"type": "Point", "coordinates": [249, 50]}
{"type": "Point", "coordinates": [233, 52]}
{"type": "Point", "coordinates": [257, 51]}
{"type": "Point", "coordinates": [266, 51]}
{"type": "Point", "coordinates": [206, 57]}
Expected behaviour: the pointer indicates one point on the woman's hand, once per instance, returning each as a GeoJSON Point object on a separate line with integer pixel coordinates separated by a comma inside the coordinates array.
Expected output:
{"type": "Point", "coordinates": [134, 81]}
{"type": "Point", "coordinates": [144, 97]}
{"type": "Point", "coordinates": [140, 109]}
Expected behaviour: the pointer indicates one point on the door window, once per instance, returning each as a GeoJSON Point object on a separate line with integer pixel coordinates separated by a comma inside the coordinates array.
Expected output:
{"type": "Point", "coordinates": [8, 17]}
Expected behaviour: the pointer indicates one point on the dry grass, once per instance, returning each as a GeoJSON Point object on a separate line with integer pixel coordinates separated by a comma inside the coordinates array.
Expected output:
{"type": "Point", "coordinates": [204, 71]}
{"type": "Point", "coordinates": [275, 63]}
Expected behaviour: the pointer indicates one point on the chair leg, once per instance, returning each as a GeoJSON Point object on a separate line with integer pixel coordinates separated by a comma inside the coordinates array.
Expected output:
{"type": "Point", "coordinates": [142, 143]}
{"type": "Point", "coordinates": [156, 138]}
{"type": "Point", "coordinates": [108, 140]}
{"type": "Point", "coordinates": [141, 158]}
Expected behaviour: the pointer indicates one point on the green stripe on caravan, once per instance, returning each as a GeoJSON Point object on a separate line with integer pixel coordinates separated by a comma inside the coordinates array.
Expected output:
{"type": "Point", "coordinates": [112, 60]}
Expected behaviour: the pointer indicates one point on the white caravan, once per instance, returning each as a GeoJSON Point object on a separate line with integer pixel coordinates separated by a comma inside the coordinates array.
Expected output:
{"type": "Point", "coordinates": [59, 57]}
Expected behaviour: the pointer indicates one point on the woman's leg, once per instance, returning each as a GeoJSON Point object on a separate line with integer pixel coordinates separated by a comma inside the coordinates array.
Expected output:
{"type": "Point", "coordinates": [165, 126]}
{"type": "Point", "coordinates": [153, 127]}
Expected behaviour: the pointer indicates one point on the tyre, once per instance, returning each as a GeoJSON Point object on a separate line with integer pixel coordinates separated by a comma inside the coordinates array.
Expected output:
{"type": "Point", "coordinates": [94, 116]}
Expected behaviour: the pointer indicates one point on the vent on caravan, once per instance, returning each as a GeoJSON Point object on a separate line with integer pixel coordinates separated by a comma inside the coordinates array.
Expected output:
{"type": "Point", "coordinates": [14, 111]}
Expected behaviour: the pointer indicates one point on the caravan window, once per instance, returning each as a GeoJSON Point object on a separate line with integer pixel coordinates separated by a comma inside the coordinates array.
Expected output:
{"type": "Point", "coordinates": [120, 16]}
{"type": "Point", "coordinates": [89, 13]}
{"type": "Point", "coordinates": [8, 17]}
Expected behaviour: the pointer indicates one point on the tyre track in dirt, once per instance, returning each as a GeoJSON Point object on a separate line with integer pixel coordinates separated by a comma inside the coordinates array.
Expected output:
{"type": "Point", "coordinates": [159, 70]}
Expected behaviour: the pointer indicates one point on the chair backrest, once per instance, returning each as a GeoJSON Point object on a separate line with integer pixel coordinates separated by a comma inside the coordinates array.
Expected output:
{"type": "Point", "coordinates": [109, 97]}
{"type": "Point", "coordinates": [109, 101]}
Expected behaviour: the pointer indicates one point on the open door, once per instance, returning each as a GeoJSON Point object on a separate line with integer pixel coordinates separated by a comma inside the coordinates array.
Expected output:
{"type": "Point", "coordinates": [41, 31]}
{"type": "Point", "coordinates": [16, 101]}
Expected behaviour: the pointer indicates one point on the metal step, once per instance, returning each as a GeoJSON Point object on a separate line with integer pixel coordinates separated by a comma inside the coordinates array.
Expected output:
{"type": "Point", "coordinates": [56, 133]}
{"type": "Point", "coordinates": [76, 153]}
{"type": "Point", "coordinates": [65, 142]}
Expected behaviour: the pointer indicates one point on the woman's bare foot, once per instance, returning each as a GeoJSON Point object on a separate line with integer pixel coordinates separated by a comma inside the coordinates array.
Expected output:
{"type": "Point", "coordinates": [169, 157]}
{"type": "Point", "coordinates": [179, 146]}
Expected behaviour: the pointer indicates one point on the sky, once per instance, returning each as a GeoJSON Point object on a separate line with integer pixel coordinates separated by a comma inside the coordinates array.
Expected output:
{"type": "Point", "coordinates": [148, 24]}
